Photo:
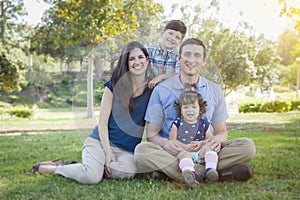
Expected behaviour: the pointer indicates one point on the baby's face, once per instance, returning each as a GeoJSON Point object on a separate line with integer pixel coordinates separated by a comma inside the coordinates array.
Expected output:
{"type": "Point", "coordinates": [190, 112]}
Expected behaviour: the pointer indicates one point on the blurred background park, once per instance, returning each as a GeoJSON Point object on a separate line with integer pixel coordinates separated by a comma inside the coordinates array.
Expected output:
{"type": "Point", "coordinates": [56, 54]}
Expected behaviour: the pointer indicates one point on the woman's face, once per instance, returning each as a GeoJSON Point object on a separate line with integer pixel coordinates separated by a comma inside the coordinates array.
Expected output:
{"type": "Point", "coordinates": [137, 62]}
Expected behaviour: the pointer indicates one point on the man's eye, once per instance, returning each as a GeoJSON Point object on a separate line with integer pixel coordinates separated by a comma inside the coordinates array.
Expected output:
{"type": "Point", "coordinates": [198, 55]}
{"type": "Point", "coordinates": [187, 54]}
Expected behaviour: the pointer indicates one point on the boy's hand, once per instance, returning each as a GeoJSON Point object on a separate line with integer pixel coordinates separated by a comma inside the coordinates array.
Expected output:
{"type": "Point", "coordinates": [154, 81]}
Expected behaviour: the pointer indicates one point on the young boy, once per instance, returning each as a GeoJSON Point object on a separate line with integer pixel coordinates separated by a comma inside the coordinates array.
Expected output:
{"type": "Point", "coordinates": [163, 58]}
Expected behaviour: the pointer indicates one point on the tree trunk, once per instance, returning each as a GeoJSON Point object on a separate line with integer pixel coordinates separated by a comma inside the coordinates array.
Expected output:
{"type": "Point", "coordinates": [90, 94]}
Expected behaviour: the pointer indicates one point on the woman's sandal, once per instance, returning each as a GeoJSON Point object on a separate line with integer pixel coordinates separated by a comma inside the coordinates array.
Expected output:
{"type": "Point", "coordinates": [35, 168]}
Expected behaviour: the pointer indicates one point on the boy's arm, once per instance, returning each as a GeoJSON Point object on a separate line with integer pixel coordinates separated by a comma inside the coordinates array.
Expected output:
{"type": "Point", "coordinates": [159, 78]}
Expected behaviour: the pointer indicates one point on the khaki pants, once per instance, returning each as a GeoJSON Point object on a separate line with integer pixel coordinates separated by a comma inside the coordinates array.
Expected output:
{"type": "Point", "coordinates": [151, 157]}
{"type": "Point", "coordinates": [93, 159]}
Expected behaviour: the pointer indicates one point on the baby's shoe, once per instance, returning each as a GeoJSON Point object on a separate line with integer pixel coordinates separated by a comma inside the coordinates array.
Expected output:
{"type": "Point", "coordinates": [211, 175]}
{"type": "Point", "coordinates": [191, 178]}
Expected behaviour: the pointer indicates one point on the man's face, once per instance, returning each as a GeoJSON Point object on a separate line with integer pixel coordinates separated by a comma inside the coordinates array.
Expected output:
{"type": "Point", "coordinates": [191, 59]}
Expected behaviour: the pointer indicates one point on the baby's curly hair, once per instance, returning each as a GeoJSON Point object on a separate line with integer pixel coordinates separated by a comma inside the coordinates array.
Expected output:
{"type": "Point", "coordinates": [190, 95]}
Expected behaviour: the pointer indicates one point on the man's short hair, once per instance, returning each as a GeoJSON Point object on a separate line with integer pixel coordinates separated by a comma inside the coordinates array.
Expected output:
{"type": "Point", "coordinates": [193, 41]}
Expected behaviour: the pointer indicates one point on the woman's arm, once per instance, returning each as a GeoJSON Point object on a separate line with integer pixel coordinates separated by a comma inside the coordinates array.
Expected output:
{"type": "Point", "coordinates": [105, 110]}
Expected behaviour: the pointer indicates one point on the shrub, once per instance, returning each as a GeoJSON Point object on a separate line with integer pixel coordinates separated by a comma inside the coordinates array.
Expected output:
{"type": "Point", "coordinates": [66, 80]}
{"type": "Point", "coordinates": [281, 106]}
{"type": "Point", "coordinates": [249, 107]}
{"type": "Point", "coordinates": [295, 104]}
{"type": "Point", "coordinates": [269, 106]}
{"type": "Point", "coordinates": [20, 100]}
{"type": "Point", "coordinates": [22, 112]}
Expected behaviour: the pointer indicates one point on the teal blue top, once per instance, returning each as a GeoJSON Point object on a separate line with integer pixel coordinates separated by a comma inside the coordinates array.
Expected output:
{"type": "Point", "coordinates": [125, 129]}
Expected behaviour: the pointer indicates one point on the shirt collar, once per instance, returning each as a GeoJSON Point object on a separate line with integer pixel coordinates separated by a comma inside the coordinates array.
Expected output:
{"type": "Point", "coordinates": [178, 85]}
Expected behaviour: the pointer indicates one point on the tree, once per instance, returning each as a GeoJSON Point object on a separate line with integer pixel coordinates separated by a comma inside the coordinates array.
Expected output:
{"type": "Point", "coordinates": [234, 56]}
{"type": "Point", "coordinates": [12, 74]}
{"type": "Point", "coordinates": [228, 62]}
{"type": "Point", "coordinates": [10, 23]}
{"type": "Point", "coordinates": [12, 67]}
{"type": "Point", "coordinates": [88, 22]}
{"type": "Point", "coordinates": [266, 63]}
{"type": "Point", "coordinates": [286, 46]}
{"type": "Point", "coordinates": [292, 10]}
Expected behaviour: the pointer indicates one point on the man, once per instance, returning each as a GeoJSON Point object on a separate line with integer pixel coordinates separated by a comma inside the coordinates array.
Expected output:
{"type": "Point", "coordinates": [159, 153]}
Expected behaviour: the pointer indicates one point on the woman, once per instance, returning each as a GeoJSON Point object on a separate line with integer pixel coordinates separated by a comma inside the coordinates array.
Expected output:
{"type": "Point", "coordinates": [109, 148]}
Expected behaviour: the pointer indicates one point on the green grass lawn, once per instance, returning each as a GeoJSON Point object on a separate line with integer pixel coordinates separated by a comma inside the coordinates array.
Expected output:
{"type": "Point", "coordinates": [276, 166]}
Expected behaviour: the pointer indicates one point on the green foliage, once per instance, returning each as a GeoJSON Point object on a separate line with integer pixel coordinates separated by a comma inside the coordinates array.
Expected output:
{"type": "Point", "coordinates": [10, 12]}
{"type": "Point", "coordinates": [99, 92]}
{"type": "Point", "coordinates": [286, 47]}
{"type": "Point", "coordinates": [11, 71]}
{"type": "Point", "coordinates": [227, 58]}
{"type": "Point", "coordinates": [22, 112]}
{"type": "Point", "coordinates": [275, 106]}
{"type": "Point", "coordinates": [249, 107]}
{"type": "Point", "coordinates": [15, 99]}
{"type": "Point", "coordinates": [270, 106]}
{"type": "Point", "coordinates": [89, 22]}
{"type": "Point", "coordinates": [66, 80]}
{"type": "Point", "coordinates": [295, 104]}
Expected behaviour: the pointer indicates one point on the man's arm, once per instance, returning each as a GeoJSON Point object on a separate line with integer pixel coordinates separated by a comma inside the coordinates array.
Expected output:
{"type": "Point", "coordinates": [220, 135]}
{"type": "Point", "coordinates": [220, 131]}
{"type": "Point", "coordinates": [152, 133]}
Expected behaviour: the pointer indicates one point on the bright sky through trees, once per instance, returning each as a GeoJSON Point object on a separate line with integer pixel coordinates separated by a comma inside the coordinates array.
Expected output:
{"type": "Point", "coordinates": [263, 15]}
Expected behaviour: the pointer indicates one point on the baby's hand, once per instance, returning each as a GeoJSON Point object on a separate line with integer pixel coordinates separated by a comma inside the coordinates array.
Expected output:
{"type": "Point", "coordinates": [198, 144]}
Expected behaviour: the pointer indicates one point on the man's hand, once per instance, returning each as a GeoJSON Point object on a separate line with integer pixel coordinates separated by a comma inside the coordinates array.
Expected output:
{"type": "Point", "coordinates": [172, 147]}
{"type": "Point", "coordinates": [215, 144]}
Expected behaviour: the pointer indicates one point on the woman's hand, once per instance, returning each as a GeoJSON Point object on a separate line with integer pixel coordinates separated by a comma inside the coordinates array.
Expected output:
{"type": "Point", "coordinates": [108, 159]}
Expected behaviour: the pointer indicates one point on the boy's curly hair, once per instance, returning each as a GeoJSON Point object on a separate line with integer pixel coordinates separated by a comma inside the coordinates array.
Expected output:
{"type": "Point", "coordinates": [190, 95]}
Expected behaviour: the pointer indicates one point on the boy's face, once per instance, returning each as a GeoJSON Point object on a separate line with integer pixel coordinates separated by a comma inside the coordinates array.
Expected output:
{"type": "Point", "coordinates": [170, 39]}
